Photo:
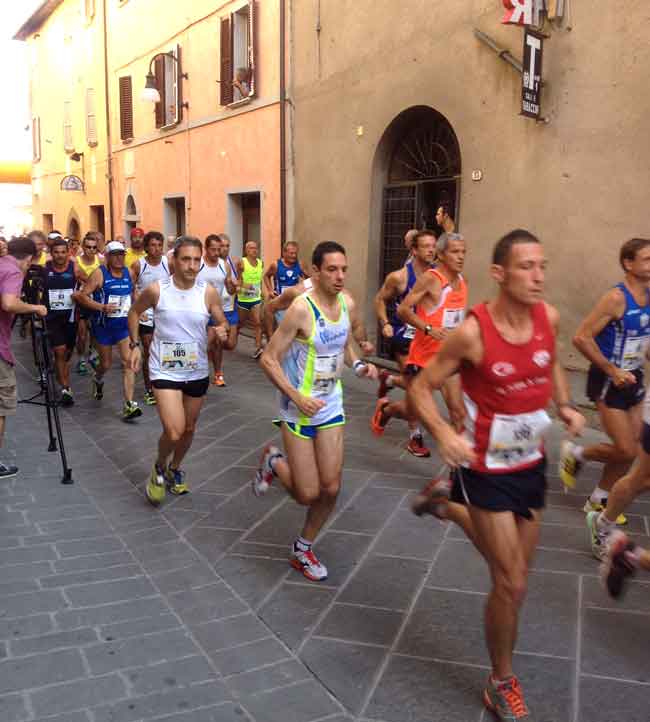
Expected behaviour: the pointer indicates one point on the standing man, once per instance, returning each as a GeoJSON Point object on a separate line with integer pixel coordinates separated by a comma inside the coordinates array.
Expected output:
{"type": "Point", "coordinates": [505, 353]}
{"type": "Point", "coordinates": [229, 304]}
{"type": "Point", "coordinates": [399, 334]}
{"type": "Point", "coordinates": [144, 271]}
{"type": "Point", "coordinates": [304, 359]}
{"type": "Point", "coordinates": [87, 262]}
{"type": "Point", "coordinates": [178, 362]}
{"type": "Point", "coordinates": [60, 281]}
{"type": "Point", "coordinates": [110, 287]}
{"type": "Point", "coordinates": [283, 273]}
{"type": "Point", "coordinates": [614, 337]}
{"type": "Point", "coordinates": [444, 219]}
{"type": "Point", "coordinates": [250, 270]}
{"type": "Point", "coordinates": [13, 267]}
{"type": "Point", "coordinates": [137, 249]}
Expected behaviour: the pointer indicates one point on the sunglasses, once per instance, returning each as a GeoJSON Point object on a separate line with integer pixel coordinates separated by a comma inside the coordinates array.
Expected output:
{"type": "Point", "coordinates": [90, 248]}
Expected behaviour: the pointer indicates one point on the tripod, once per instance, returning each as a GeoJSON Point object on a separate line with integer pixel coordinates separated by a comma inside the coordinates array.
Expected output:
{"type": "Point", "coordinates": [43, 358]}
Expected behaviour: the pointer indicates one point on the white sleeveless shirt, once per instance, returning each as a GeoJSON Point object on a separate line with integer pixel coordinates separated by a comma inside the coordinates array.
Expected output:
{"type": "Point", "coordinates": [149, 274]}
{"type": "Point", "coordinates": [180, 339]}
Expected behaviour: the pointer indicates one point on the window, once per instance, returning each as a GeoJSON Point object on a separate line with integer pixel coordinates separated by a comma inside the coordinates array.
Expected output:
{"type": "Point", "coordinates": [68, 140]}
{"type": "Point", "coordinates": [91, 118]}
{"type": "Point", "coordinates": [36, 138]}
{"type": "Point", "coordinates": [238, 42]}
{"type": "Point", "coordinates": [126, 108]}
{"type": "Point", "coordinates": [89, 9]}
{"type": "Point", "coordinates": [168, 74]}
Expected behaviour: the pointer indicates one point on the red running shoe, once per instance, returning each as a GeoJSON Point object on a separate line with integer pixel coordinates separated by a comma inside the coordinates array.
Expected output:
{"type": "Point", "coordinates": [379, 421]}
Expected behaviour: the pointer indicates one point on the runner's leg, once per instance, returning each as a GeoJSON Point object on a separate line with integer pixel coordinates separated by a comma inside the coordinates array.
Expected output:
{"type": "Point", "coordinates": [298, 471]}
{"type": "Point", "coordinates": [60, 365]}
{"type": "Point", "coordinates": [192, 409]}
{"type": "Point", "coordinates": [171, 411]}
{"type": "Point", "coordinates": [128, 376]}
{"type": "Point", "coordinates": [146, 349]}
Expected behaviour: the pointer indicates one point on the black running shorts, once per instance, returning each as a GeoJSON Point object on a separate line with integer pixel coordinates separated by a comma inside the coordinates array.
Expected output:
{"type": "Point", "coordinates": [518, 492]}
{"type": "Point", "coordinates": [601, 388]}
{"type": "Point", "coordinates": [195, 389]}
{"type": "Point", "coordinates": [398, 347]}
{"type": "Point", "coordinates": [61, 331]}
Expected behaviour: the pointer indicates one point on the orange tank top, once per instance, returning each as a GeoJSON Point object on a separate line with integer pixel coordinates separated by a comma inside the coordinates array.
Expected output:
{"type": "Point", "coordinates": [448, 314]}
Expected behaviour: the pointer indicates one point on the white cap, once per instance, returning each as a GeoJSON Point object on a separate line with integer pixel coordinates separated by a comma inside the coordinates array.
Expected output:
{"type": "Point", "coordinates": [51, 236]}
{"type": "Point", "coordinates": [114, 247]}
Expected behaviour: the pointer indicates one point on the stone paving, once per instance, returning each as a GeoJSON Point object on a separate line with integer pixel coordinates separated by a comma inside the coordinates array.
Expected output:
{"type": "Point", "coordinates": [111, 611]}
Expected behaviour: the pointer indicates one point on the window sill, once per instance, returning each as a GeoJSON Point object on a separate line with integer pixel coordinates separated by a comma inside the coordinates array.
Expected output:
{"type": "Point", "coordinates": [126, 141]}
{"type": "Point", "coordinates": [239, 103]}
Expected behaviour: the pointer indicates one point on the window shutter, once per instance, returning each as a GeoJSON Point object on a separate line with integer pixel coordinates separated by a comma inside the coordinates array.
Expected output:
{"type": "Point", "coordinates": [91, 118]}
{"type": "Point", "coordinates": [178, 69]}
{"type": "Point", "coordinates": [126, 108]}
{"type": "Point", "coordinates": [252, 44]}
{"type": "Point", "coordinates": [68, 141]}
{"type": "Point", "coordinates": [36, 138]}
{"type": "Point", "coordinates": [159, 76]}
{"type": "Point", "coordinates": [226, 62]}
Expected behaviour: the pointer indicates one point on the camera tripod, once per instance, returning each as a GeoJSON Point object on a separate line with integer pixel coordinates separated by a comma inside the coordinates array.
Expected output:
{"type": "Point", "coordinates": [43, 358]}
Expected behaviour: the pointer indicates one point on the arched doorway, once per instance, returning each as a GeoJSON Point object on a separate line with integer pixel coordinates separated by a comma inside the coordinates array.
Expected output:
{"type": "Point", "coordinates": [73, 228]}
{"type": "Point", "coordinates": [131, 215]}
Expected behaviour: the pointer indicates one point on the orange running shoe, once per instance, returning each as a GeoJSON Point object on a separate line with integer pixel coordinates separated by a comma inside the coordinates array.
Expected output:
{"type": "Point", "coordinates": [218, 379]}
{"type": "Point", "coordinates": [506, 700]}
{"type": "Point", "coordinates": [378, 421]}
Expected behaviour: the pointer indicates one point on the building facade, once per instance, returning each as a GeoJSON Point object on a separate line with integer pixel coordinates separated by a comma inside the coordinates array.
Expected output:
{"type": "Point", "coordinates": [206, 157]}
{"type": "Point", "coordinates": [399, 106]}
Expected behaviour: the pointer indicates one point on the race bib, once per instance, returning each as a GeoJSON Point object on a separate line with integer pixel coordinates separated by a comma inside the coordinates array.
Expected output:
{"type": "Point", "coordinates": [453, 317]}
{"type": "Point", "coordinates": [249, 292]}
{"type": "Point", "coordinates": [60, 299]}
{"type": "Point", "coordinates": [516, 439]}
{"type": "Point", "coordinates": [327, 371]}
{"type": "Point", "coordinates": [409, 332]}
{"type": "Point", "coordinates": [634, 353]}
{"type": "Point", "coordinates": [176, 356]}
{"type": "Point", "coordinates": [123, 304]}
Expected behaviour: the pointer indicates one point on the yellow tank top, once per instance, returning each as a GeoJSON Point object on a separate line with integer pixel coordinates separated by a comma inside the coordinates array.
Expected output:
{"type": "Point", "coordinates": [42, 259]}
{"type": "Point", "coordinates": [251, 289]}
{"type": "Point", "coordinates": [88, 268]}
{"type": "Point", "coordinates": [132, 256]}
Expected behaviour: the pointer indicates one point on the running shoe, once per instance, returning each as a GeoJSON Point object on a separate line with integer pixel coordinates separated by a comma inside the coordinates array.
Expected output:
{"type": "Point", "coordinates": [416, 447]}
{"type": "Point", "coordinates": [378, 421]}
{"type": "Point", "coordinates": [308, 564]}
{"type": "Point", "coordinates": [569, 466]}
{"type": "Point", "coordinates": [383, 387]}
{"type": "Point", "coordinates": [149, 398]}
{"type": "Point", "coordinates": [131, 411]}
{"type": "Point", "coordinates": [97, 389]}
{"type": "Point", "coordinates": [218, 379]}
{"type": "Point", "coordinates": [7, 470]}
{"type": "Point", "coordinates": [264, 474]}
{"type": "Point", "coordinates": [621, 562]}
{"type": "Point", "coordinates": [67, 398]}
{"type": "Point", "coordinates": [82, 368]}
{"type": "Point", "coordinates": [433, 499]}
{"type": "Point", "coordinates": [506, 700]}
{"type": "Point", "coordinates": [93, 359]}
{"type": "Point", "coordinates": [175, 479]}
{"type": "Point", "coordinates": [597, 539]}
{"type": "Point", "coordinates": [621, 519]}
{"type": "Point", "coordinates": [155, 489]}
{"type": "Point", "coordinates": [257, 353]}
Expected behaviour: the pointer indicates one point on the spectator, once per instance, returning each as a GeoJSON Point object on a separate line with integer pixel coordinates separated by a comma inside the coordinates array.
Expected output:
{"type": "Point", "coordinates": [444, 218]}
{"type": "Point", "coordinates": [136, 251]}
{"type": "Point", "coordinates": [241, 84]}
{"type": "Point", "coordinates": [12, 271]}
{"type": "Point", "coordinates": [40, 240]}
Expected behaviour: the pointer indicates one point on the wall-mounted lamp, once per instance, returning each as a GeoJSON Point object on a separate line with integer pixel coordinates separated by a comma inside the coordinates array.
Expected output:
{"type": "Point", "coordinates": [150, 91]}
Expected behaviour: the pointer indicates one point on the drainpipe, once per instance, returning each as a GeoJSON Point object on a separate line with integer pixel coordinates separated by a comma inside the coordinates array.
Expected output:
{"type": "Point", "coordinates": [283, 127]}
{"type": "Point", "coordinates": [109, 148]}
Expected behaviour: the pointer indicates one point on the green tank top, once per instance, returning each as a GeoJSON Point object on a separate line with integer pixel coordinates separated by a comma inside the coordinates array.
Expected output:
{"type": "Point", "coordinates": [251, 289]}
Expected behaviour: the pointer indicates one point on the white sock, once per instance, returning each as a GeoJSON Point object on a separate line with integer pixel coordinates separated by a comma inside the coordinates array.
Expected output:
{"type": "Point", "coordinates": [416, 433]}
{"type": "Point", "coordinates": [303, 545]}
{"type": "Point", "coordinates": [599, 496]}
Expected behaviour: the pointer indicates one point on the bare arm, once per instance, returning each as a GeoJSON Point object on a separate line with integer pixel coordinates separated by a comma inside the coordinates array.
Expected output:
{"type": "Point", "coordinates": [13, 304]}
{"type": "Point", "coordinates": [213, 304]}
{"type": "Point", "coordinates": [268, 280]}
{"type": "Point", "coordinates": [83, 297]}
{"type": "Point", "coordinates": [279, 303]}
{"type": "Point", "coordinates": [230, 284]}
{"type": "Point", "coordinates": [390, 289]}
{"type": "Point", "coordinates": [147, 299]}
{"type": "Point", "coordinates": [426, 285]}
{"type": "Point", "coordinates": [134, 272]}
{"type": "Point", "coordinates": [357, 327]}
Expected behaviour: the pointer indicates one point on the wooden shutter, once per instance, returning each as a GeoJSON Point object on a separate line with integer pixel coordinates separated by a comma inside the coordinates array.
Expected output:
{"type": "Point", "coordinates": [179, 84]}
{"type": "Point", "coordinates": [126, 108]}
{"type": "Point", "coordinates": [36, 138]}
{"type": "Point", "coordinates": [226, 62]}
{"type": "Point", "coordinates": [91, 118]}
{"type": "Point", "coordinates": [252, 44]}
{"type": "Point", "coordinates": [159, 75]}
{"type": "Point", "coordinates": [68, 141]}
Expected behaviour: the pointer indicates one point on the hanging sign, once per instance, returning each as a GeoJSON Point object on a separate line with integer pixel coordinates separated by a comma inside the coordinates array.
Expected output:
{"type": "Point", "coordinates": [529, 12]}
{"type": "Point", "coordinates": [532, 74]}
{"type": "Point", "coordinates": [72, 183]}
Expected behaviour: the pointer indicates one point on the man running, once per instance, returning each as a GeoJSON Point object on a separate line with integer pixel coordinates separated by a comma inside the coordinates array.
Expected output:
{"type": "Point", "coordinates": [505, 353]}
{"type": "Point", "coordinates": [87, 262]}
{"type": "Point", "coordinates": [111, 289]}
{"type": "Point", "coordinates": [137, 250]}
{"type": "Point", "coordinates": [229, 304]}
{"type": "Point", "coordinates": [178, 362]}
{"type": "Point", "coordinates": [250, 270]}
{"type": "Point", "coordinates": [399, 334]}
{"type": "Point", "coordinates": [283, 273]}
{"type": "Point", "coordinates": [144, 271]}
{"type": "Point", "coordinates": [304, 359]}
{"type": "Point", "coordinates": [614, 337]}
{"type": "Point", "coordinates": [439, 298]}
{"type": "Point", "coordinates": [60, 279]}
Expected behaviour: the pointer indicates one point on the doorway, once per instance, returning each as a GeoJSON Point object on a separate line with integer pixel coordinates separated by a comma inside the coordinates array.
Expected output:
{"type": "Point", "coordinates": [98, 220]}
{"type": "Point", "coordinates": [73, 229]}
{"type": "Point", "coordinates": [174, 216]}
{"type": "Point", "coordinates": [48, 223]}
{"type": "Point", "coordinates": [244, 220]}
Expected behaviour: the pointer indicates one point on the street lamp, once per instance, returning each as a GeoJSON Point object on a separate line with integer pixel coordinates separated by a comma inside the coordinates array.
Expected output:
{"type": "Point", "coordinates": [150, 91]}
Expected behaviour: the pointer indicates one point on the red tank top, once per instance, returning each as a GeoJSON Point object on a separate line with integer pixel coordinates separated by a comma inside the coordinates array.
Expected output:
{"type": "Point", "coordinates": [506, 395]}
{"type": "Point", "coordinates": [448, 314]}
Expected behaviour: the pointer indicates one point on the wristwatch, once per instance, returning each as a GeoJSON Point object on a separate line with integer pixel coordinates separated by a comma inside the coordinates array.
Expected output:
{"type": "Point", "coordinates": [428, 329]}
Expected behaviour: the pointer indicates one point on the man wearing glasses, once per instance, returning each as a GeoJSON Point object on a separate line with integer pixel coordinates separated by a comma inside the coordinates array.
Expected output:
{"type": "Point", "coordinates": [87, 262]}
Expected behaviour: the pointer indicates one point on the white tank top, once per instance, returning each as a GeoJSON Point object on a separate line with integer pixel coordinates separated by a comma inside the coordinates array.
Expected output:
{"type": "Point", "coordinates": [149, 274]}
{"type": "Point", "coordinates": [180, 339]}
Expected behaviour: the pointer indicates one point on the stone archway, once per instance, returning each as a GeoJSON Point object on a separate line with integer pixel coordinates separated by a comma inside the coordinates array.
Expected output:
{"type": "Point", "coordinates": [73, 226]}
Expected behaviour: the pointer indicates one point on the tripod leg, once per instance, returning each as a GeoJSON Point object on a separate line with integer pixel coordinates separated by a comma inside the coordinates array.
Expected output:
{"type": "Point", "coordinates": [49, 404]}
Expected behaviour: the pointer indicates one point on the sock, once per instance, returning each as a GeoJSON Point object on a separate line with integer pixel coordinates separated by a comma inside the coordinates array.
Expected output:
{"type": "Point", "coordinates": [599, 496]}
{"type": "Point", "coordinates": [577, 451]}
{"type": "Point", "coordinates": [604, 524]}
{"type": "Point", "coordinates": [302, 544]}
{"type": "Point", "coordinates": [416, 433]}
{"type": "Point", "coordinates": [273, 459]}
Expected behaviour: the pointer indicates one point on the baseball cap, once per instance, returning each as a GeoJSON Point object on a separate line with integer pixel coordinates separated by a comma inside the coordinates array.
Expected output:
{"type": "Point", "coordinates": [53, 235]}
{"type": "Point", "coordinates": [136, 232]}
{"type": "Point", "coordinates": [114, 247]}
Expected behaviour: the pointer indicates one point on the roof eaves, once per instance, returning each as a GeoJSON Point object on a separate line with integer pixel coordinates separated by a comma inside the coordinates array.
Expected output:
{"type": "Point", "coordinates": [37, 18]}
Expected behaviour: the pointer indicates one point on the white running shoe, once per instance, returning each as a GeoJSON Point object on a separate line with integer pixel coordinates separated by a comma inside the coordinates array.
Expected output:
{"type": "Point", "coordinates": [264, 474]}
{"type": "Point", "coordinates": [308, 564]}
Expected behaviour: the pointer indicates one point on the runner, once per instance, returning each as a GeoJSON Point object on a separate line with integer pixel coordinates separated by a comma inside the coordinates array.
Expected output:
{"type": "Point", "coordinates": [137, 250]}
{"type": "Point", "coordinates": [285, 272]}
{"type": "Point", "coordinates": [444, 219]}
{"type": "Point", "coordinates": [229, 303]}
{"type": "Point", "coordinates": [622, 559]}
{"type": "Point", "coordinates": [249, 297]}
{"type": "Point", "coordinates": [304, 359]}
{"type": "Point", "coordinates": [439, 297]}
{"type": "Point", "coordinates": [505, 352]}
{"type": "Point", "coordinates": [614, 337]}
{"type": "Point", "coordinates": [179, 366]}
{"type": "Point", "coordinates": [216, 272]}
{"type": "Point", "coordinates": [87, 262]}
{"type": "Point", "coordinates": [74, 246]}
{"type": "Point", "coordinates": [40, 240]}
{"type": "Point", "coordinates": [111, 288]}
{"type": "Point", "coordinates": [144, 271]}
{"type": "Point", "coordinates": [399, 334]}
{"type": "Point", "coordinates": [59, 282]}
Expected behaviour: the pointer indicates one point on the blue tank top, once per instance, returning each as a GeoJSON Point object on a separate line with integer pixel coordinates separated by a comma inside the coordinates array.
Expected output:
{"type": "Point", "coordinates": [286, 276]}
{"type": "Point", "coordinates": [118, 292]}
{"type": "Point", "coordinates": [624, 342]}
{"type": "Point", "coordinates": [403, 330]}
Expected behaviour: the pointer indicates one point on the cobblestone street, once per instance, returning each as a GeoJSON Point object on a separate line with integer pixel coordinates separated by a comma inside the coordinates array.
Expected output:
{"type": "Point", "coordinates": [112, 611]}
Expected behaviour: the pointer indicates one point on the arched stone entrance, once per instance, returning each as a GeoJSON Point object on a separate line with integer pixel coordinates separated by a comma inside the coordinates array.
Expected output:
{"type": "Point", "coordinates": [73, 229]}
